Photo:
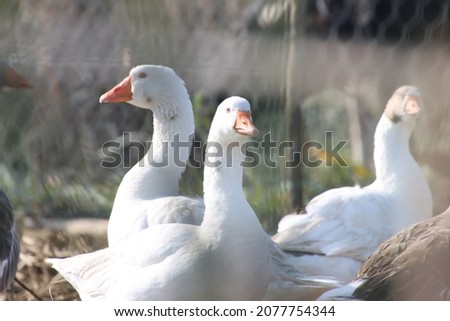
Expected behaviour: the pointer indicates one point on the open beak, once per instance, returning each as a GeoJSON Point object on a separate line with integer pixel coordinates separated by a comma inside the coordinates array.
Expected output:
{"type": "Point", "coordinates": [412, 106]}
{"type": "Point", "coordinates": [119, 93]}
{"type": "Point", "coordinates": [244, 124]}
{"type": "Point", "coordinates": [15, 80]}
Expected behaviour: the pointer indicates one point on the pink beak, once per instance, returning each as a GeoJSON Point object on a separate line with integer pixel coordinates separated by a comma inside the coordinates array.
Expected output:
{"type": "Point", "coordinates": [119, 93]}
{"type": "Point", "coordinates": [15, 80]}
{"type": "Point", "coordinates": [244, 124]}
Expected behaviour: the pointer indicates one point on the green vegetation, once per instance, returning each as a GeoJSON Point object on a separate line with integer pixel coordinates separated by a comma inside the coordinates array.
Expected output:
{"type": "Point", "coordinates": [74, 50]}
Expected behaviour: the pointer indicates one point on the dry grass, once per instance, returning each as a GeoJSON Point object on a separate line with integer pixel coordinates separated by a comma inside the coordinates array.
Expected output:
{"type": "Point", "coordinates": [55, 238]}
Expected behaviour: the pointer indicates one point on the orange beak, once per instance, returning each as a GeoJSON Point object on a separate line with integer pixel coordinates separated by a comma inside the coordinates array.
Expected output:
{"type": "Point", "coordinates": [244, 124]}
{"type": "Point", "coordinates": [15, 80]}
{"type": "Point", "coordinates": [119, 93]}
{"type": "Point", "coordinates": [412, 106]}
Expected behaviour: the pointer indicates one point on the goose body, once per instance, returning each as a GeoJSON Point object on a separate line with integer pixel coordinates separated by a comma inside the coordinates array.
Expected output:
{"type": "Point", "coordinates": [227, 257]}
{"type": "Point", "coordinates": [411, 265]}
{"type": "Point", "coordinates": [341, 227]}
{"type": "Point", "coordinates": [148, 193]}
{"type": "Point", "coordinates": [9, 240]}
{"type": "Point", "coordinates": [9, 244]}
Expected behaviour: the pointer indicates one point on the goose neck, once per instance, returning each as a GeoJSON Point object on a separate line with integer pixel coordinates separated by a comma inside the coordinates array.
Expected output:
{"type": "Point", "coordinates": [223, 169]}
{"type": "Point", "coordinates": [392, 154]}
{"type": "Point", "coordinates": [157, 174]}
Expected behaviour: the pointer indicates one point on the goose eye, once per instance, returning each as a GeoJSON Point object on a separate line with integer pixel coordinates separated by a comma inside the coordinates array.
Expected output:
{"type": "Point", "coordinates": [228, 109]}
{"type": "Point", "coordinates": [142, 75]}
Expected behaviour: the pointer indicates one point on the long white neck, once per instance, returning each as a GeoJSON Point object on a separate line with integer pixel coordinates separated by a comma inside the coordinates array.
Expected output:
{"type": "Point", "coordinates": [159, 172]}
{"type": "Point", "coordinates": [224, 198]}
{"type": "Point", "coordinates": [391, 150]}
{"type": "Point", "coordinates": [396, 170]}
{"type": "Point", "coordinates": [223, 173]}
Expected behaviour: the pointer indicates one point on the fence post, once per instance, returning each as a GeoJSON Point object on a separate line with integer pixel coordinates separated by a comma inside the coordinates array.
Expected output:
{"type": "Point", "coordinates": [293, 119]}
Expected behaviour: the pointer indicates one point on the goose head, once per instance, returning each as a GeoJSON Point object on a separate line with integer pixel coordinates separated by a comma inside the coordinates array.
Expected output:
{"type": "Point", "coordinates": [148, 86]}
{"type": "Point", "coordinates": [11, 78]}
{"type": "Point", "coordinates": [404, 106]}
{"type": "Point", "coordinates": [232, 121]}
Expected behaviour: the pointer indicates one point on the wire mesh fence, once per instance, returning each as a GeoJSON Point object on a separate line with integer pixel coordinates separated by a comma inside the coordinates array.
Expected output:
{"type": "Point", "coordinates": [338, 68]}
{"type": "Point", "coordinates": [308, 67]}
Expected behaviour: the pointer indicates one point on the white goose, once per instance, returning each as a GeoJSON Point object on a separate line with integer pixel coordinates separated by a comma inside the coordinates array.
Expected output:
{"type": "Point", "coordinates": [148, 192]}
{"type": "Point", "coordinates": [228, 257]}
{"type": "Point", "coordinates": [340, 228]}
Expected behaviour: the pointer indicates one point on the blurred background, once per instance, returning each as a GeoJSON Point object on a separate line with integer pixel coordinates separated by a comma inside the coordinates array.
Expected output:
{"type": "Point", "coordinates": [306, 66]}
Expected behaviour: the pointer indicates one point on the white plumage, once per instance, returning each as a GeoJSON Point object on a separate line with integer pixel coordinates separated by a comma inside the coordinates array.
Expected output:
{"type": "Point", "coordinates": [148, 193]}
{"type": "Point", "coordinates": [228, 257]}
{"type": "Point", "coordinates": [341, 227]}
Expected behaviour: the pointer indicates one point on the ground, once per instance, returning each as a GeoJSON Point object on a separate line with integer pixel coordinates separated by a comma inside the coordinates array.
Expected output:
{"type": "Point", "coordinates": [52, 238]}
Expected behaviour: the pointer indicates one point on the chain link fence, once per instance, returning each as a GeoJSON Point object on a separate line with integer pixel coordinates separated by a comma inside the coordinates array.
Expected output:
{"type": "Point", "coordinates": [308, 67]}
{"type": "Point", "coordinates": [334, 64]}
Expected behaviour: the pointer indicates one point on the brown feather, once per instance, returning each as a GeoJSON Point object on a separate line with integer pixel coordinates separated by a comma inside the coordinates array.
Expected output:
{"type": "Point", "coordinates": [412, 265]}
